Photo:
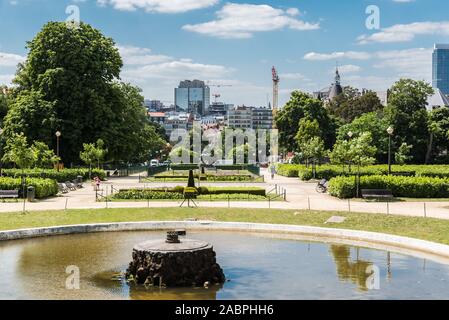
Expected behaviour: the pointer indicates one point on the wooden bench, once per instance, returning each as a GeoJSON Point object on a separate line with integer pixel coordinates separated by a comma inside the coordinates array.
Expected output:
{"type": "Point", "coordinates": [377, 194]}
{"type": "Point", "coordinates": [9, 194]}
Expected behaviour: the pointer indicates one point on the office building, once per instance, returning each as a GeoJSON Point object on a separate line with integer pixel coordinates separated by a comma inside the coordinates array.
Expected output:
{"type": "Point", "coordinates": [262, 118]}
{"type": "Point", "coordinates": [240, 118]}
{"type": "Point", "coordinates": [440, 68]}
{"type": "Point", "coordinates": [192, 97]}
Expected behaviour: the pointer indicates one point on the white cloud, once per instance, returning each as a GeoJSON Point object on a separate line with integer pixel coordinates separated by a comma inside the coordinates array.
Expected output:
{"type": "Point", "coordinates": [357, 55]}
{"type": "Point", "coordinates": [240, 21]}
{"type": "Point", "coordinates": [160, 6]}
{"type": "Point", "coordinates": [406, 32]}
{"type": "Point", "coordinates": [293, 76]}
{"type": "Point", "coordinates": [10, 59]}
{"type": "Point", "coordinates": [5, 79]}
{"type": "Point", "coordinates": [140, 56]}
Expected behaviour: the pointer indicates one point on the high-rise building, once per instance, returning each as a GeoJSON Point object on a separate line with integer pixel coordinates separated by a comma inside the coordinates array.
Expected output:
{"type": "Point", "coordinates": [440, 68]}
{"type": "Point", "coordinates": [193, 97]}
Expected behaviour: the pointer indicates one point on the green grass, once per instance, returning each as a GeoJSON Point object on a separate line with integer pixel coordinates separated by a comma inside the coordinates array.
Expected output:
{"type": "Point", "coordinates": [421, 228]}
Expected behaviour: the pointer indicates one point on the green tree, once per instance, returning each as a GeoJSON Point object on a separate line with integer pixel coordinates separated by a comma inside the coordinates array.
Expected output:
{"type": "Point", "coordinates": [359, 151]}
{"type": "Point", "coordinates": [438, 143]}
{"type": "Point", "coordinates": [92, 153]}
{"type": "Point", "coordinates": [3, 104]}
{"type": "Point", "coordinates": [353, 104]}
{"type": "Point", "coordinates": [72, 75]}
{"type": "Point", "coordinates": [402, 156]}
{"type": "Point", "coordinates": [302, 105]}
{"type": "Point", "coordinates": [407, 114]}
{"type": "Point", "coordinates": [373, 123]}
{"type": "Point", "coordinates": [313, 150]}
{"type": "Point", "coordinates": [18, 151]}
{"type": "Point", "coordinates": [44, 156]}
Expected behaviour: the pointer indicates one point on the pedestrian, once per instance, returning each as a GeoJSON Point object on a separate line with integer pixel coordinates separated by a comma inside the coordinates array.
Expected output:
{"type": "Point", "coordinates": [272, 170]}
{"type": "Point", "coordinates": [97, 183]}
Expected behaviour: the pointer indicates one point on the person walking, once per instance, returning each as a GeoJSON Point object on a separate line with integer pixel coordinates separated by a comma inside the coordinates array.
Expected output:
{"type": "Point", "coordinates": [272, 170]}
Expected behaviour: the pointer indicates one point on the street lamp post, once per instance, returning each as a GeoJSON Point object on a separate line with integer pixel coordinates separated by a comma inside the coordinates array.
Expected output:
{"type": "Point", "coordinates": [350, 134]}
{"type": "Point", "coordinates": [390, 132]}
{"type": "Point", "coordinates": [58, 135]}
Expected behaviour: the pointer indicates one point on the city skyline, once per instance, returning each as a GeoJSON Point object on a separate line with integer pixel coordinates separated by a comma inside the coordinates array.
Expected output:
{"type": "Point", "coordinates": [162, 44]}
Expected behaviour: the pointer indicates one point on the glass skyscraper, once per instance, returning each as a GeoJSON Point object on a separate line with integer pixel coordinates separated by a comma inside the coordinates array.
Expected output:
{"type": "Point", "coordinates": [192, 96]}
{"type": "Point", "coordinates": [440, 68]}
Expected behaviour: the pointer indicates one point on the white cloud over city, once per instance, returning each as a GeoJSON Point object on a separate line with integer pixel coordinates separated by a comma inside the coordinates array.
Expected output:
{"type": "Point", "coordinates": [406, 32]}
{"type": "Point", "coordinates": [159, 6]}
{"type": "Point", "coordinates": [241, 21]}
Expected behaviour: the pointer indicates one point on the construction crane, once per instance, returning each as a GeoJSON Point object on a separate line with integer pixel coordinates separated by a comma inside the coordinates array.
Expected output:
{"type": "Point", "coordinates": [276, 81]}
{"type": "Point", "coordinates": [218, 85]}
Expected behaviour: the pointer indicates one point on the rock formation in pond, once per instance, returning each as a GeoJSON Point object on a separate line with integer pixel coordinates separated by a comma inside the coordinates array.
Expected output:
{"type": "Point", "coordinates": [175, 263]}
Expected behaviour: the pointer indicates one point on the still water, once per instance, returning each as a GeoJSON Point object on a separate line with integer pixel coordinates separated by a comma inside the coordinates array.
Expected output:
{"type": "Point", "coordinates": [258, 267]}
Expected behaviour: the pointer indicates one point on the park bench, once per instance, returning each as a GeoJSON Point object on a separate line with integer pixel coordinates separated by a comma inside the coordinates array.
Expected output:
{"type": "Point", "coordinates": [377, 194]}
{"type": "Point", "coordinates": [62, 188]}
{"type": "Point", "coordinates": [70, 185]}
{"type": "Point", "coordinates": [9, 194]}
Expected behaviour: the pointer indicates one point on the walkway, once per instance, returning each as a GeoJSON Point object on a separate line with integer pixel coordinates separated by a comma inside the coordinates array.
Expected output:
{"type": "Point", "coordinates": [300, 195]}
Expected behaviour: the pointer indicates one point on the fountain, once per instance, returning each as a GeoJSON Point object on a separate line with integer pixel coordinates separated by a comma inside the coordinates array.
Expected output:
{"type": "Point", "coordinates": [175, 263]}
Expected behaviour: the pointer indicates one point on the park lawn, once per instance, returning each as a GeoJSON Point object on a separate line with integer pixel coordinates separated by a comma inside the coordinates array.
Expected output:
{"type": "Point", "coordinates": [436, 230]}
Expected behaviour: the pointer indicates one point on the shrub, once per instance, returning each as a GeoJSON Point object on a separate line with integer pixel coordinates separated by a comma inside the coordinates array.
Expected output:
{"type": "Point", "coordinates": [410, 187]}
{"type": "Point", "coordinates": [289, 170]}
{"type": "Point", "coordinates": [147, 194]}
{"type": "Point", "coordinates": [61, 176]}
{"type": "Point", "coordinates": [43, 187]}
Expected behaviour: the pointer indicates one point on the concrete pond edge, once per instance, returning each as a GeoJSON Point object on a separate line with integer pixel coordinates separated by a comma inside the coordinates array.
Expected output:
{"type": "Point", "coordinates": [365, 238]}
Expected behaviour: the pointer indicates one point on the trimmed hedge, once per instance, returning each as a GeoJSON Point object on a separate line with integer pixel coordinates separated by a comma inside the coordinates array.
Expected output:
{"type": "Point", "coordinates": [177, 192]}
{"type": "Point", "coordinates": [410, 187]}
{"type": "Point", "coordinates": [330, 171]}
{"type": "Point", "coordinates": [61, 176]}
{"type": "Point", "coordinates": [43, 187]}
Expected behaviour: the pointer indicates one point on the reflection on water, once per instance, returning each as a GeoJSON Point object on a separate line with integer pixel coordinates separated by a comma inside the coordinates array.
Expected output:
{"type": "Point", "coordinates": [348, 270]}
{"type": "Point", "coordinates": [258, 267]}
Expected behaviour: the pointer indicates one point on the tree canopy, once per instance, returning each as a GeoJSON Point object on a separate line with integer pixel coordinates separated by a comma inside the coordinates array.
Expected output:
{"type": "Point", "coordinates": [70, 83]}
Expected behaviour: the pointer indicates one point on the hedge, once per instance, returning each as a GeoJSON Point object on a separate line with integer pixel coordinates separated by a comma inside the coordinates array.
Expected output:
{"type": "Point", "coordinates": [61, 176]}
{"type": "Point", "coordinates": [177, 192]}
{"type": "Point", "coordinates": [410, 187]}
{"type": "Point", "coordinates": [330, 171]}
{"type": "Point", "coordinates": [43, 187]}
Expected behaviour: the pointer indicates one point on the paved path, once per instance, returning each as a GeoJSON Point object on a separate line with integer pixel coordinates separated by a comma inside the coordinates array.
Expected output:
{"type": "Point", "coordinates": [300, 195]}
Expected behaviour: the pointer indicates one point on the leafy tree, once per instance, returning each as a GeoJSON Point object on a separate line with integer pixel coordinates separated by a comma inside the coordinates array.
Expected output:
{"type": "Point", "coordinates": [352, 104]}
{"type": "Point", "coordinates": [92, 153]}
{"type": "Point", "coordinates": [69, 83]}
{"type": "Point", "coordinates": [302, 105]}
{"type": "Point", "coordinates": [403, 154]}
{"type": "Point", "coordinates": [438, 143]}
{"type": "Point", "coordinates": [407, 114]}
{"type": "Point", "coordinates": [313, 150]}
{"type": "Point", "coordinates": [373, 123]}
{"type": "Point", "coordinates": [3, 104]}
{"type": "Point", "coordinates": [359, 150]}
{"type": "Point", "coordinates": [19, 152]}
{"type": "Point", "coordinates": [308, 129]}
{"type": "Point", "coordinates": [44, 156]}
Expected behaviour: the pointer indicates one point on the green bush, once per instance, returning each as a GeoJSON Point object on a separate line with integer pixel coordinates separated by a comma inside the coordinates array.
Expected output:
{"type": "Point", "coordinates": [61, 176]}
{"type": "Point", "coordinates": [141, 194]}
{"type": "Point", "coordinates": [410, 187]}
{"type": "Point", "coordinates": [43, 187]}
{"type": "Point", "coordinates": [289, 170]}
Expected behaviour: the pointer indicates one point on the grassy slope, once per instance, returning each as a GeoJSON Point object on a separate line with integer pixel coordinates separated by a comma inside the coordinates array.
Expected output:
{"type": "Point", "coordinates": [415, 227]}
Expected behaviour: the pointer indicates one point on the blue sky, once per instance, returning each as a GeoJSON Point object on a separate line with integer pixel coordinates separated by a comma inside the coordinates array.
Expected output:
{"type": "Point", "coordinates": [237, 42]}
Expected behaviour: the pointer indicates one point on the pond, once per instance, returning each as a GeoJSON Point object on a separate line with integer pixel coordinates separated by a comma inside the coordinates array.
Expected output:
{"type": "Point", "coordinates": [257, 266]}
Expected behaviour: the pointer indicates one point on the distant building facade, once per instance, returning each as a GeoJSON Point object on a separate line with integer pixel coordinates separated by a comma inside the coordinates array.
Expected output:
{"type": "Point", "coordinates": [329, 93]}
{"type": "Point", "coordinates": [192, 97]}
{"type": "Point", "coordinates": [440, 68]}
{"type": "Point", "coordinates": [244, 117]}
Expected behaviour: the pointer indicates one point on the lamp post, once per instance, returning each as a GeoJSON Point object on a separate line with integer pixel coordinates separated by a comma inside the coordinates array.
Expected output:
{"type": "Point", "coordinates": [350, 134]}
{"type": "Point", "coordinates": [390, 132]}
{"type": "Point", "coordinates": [58, 135]}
